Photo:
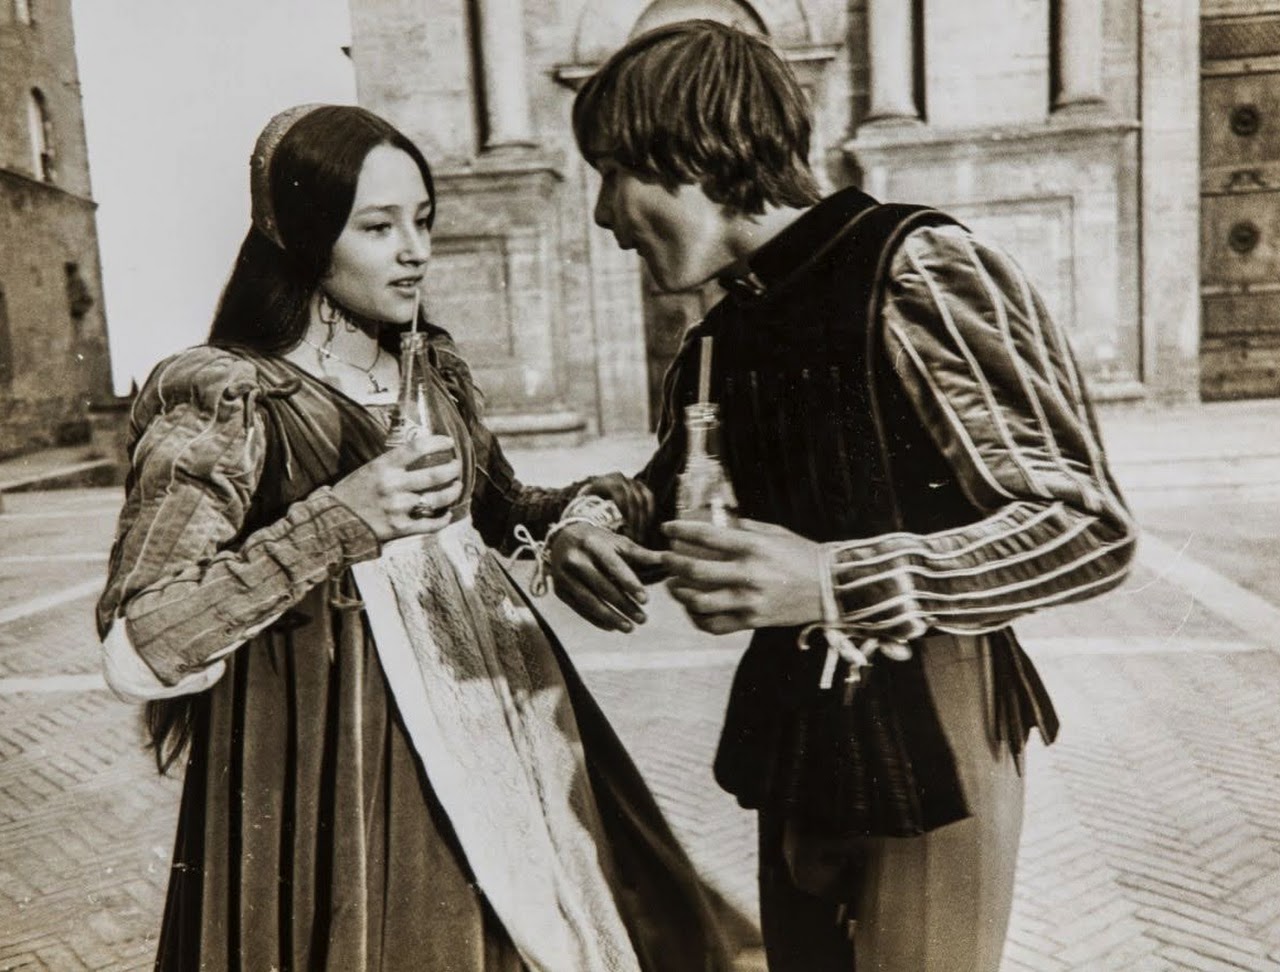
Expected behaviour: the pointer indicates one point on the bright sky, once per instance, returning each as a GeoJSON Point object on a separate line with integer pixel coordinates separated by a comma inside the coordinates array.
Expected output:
{"type": "Point", "coordinates": [174, 97]}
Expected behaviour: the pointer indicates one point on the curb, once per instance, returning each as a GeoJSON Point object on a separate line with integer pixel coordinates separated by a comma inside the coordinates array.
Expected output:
{"type": "Point", "coordinates": [90, 472]}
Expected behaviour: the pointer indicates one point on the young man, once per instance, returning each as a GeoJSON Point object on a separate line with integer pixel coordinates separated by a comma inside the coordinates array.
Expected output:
{"type": "Point", "coordinates": [911, 447]}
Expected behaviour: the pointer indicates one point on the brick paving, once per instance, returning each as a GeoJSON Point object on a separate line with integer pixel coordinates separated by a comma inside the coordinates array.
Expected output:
{"type": "Point", "coordinates": [1152, 837]}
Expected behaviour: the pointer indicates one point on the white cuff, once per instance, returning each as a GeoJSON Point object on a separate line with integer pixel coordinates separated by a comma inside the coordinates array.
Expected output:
{"type": "Point", "coordinates": [132, 679]}
{"type": "Point", "coordinates": [826, 585]}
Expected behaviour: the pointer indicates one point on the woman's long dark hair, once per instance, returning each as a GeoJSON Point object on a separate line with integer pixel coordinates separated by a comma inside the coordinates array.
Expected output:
{"type": "Point", "coordinates": [313, 178]}
{"type": "Point", "coordinates": [266, 302]}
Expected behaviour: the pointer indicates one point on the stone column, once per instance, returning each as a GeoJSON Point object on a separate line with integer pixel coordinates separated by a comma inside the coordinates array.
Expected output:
{"type": "Point", "coordinates": [1079, 54]}
{"type": "Point", "coordinates": [1170, 208]}
{"type": "Point", "coordinates": [890, 36]}
{"type": "Point", "coordinates": [506, 87]}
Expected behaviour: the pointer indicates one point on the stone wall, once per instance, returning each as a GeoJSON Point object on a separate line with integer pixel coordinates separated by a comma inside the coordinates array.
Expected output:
{"type": "Point", "coordinates": [59, 363]}
{"type": "Point", "coordinates": [42, 55]}
{"type": "Point", "coordinates": [55, 357]}
{"type": "Point", "coordinates": [1065, 131]}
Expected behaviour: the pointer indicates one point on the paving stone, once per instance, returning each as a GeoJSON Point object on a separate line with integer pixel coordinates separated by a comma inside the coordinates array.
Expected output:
{"type": "Point", "coordinates": [1151, 841]}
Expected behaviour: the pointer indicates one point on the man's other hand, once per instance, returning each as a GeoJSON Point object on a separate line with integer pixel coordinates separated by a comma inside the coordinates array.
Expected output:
{"type": "Point", "coordinates": [755, 575]}
{"type": "Point", "coordinates": [595, 574]}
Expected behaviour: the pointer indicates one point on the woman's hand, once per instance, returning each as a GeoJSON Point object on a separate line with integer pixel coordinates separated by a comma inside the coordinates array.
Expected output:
{"type": "Point", "coordinates": [397, 501]}
{"type": "Point", "coordinates": [757, 575]}
{"type": "Point", "coordinates": [632, 498]}
{"type": "Point", "coordinates": [595, 574]}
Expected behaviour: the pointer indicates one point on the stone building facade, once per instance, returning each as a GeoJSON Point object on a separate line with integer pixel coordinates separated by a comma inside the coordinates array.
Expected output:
{"type": "Point", "coordinates": [53, 343]}
{"type": "Point", "coordinates": [1066, 129]}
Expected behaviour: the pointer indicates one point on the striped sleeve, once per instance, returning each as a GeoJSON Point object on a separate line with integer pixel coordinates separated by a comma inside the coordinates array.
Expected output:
{"type": "Point", "coordinates": [499, 502]}
{"type": "Point", "coordinates": [995, 383]}
{"type": "Point", "coordinates": [184, 584]}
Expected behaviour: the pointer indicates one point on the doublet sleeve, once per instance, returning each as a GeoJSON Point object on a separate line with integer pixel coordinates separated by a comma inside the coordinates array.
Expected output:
{"type": "Point", "coordinates": [994, 382]}
{"type": "Point", "coordinates": [500, 501]}
{"type": "Point", "coordinates": [184, 582]}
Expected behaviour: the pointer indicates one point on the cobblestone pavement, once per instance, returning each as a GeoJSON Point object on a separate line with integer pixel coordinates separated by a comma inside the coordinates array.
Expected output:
{"type": "Point", "coordinates": [1152, 839]}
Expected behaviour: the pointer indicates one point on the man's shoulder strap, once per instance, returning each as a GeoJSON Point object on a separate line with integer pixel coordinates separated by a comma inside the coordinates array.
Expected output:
{"type": "Point", "coordinates": [880, 236]}
{"type": "Point", "coordinates": [871, 239]}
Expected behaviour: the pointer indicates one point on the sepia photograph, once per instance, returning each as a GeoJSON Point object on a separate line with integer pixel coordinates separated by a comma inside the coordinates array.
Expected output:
{"type": "Point", "coordinates": [640, 486]}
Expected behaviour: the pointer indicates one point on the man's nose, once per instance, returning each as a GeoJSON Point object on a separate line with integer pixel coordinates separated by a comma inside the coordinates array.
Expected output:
{"type": "Point", "coordinates": [604, 211]}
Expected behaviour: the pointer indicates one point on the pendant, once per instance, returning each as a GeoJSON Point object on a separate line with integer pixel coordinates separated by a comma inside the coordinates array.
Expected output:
{"type": "Point", "coordinates": [377, 387]}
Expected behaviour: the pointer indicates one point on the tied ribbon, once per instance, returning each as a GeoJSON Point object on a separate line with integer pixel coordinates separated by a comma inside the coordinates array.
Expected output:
{"type": "Point", "coordinates": [841, 647]}
{"type": "Point", "coordinates": [583, 508]}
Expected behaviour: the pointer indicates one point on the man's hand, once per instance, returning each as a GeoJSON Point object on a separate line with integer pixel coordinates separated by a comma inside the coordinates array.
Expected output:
{"type": "Point", "coordinates": [757, 575]}
{"type": "Point", "coordinates": [594, 573]}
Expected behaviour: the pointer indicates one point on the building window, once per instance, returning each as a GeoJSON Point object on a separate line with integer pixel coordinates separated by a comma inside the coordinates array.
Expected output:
{"type": "Point", "coordinates": [22, 11]}
{"type": "Point", "coordinates": [40, 128]}
{"type": "Point", "coordinates": [6, 346]}
{"type": "Point", "coordinates": [79, 299]}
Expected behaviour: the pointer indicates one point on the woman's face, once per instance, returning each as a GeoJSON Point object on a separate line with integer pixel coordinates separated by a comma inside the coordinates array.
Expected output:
{"type": "Point", "coordinates": [379, 258]}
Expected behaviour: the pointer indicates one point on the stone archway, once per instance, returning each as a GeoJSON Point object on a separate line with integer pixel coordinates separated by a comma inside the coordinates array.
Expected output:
{"type": "Point", "coordinates": [661, 12]}
{"type": "Point", "coordinates": [605, 25]}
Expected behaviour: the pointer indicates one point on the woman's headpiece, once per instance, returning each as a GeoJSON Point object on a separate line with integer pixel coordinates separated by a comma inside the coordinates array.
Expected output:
{"type": "Point", "coordinates": [263, 208]}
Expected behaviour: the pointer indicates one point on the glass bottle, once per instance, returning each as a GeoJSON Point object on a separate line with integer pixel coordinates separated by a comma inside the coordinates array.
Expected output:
{"type": "Point", "coordinates": [703, 489]}
{"type": "Point", "coordinates": [423, 414]}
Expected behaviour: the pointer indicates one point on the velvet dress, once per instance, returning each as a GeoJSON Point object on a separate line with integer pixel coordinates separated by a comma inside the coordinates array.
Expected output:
{"type": "Point", "coordinates": [310, 835]}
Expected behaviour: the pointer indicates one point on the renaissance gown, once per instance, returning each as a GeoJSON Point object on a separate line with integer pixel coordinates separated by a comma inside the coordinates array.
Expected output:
{"type": "Point", "coordinates": [312, 832]}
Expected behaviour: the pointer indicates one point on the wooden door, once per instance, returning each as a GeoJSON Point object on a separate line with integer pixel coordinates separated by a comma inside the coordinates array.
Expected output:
{"type": "Point", "coordinates": [1240, 207]}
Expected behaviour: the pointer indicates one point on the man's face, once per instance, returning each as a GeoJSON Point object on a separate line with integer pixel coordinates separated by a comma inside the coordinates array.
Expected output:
{"type": "Point", "coordinates": [681, 234]}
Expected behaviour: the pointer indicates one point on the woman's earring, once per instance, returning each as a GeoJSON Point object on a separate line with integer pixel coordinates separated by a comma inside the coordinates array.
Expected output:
{"type": "Point", "coordinates": [329, 314]}
{"type": "Point", "coordinates": [328, 310]}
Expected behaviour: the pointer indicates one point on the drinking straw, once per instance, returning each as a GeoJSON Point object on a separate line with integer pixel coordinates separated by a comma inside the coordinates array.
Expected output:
{"type": "Point", "coordinates": [407, 367]}
{"type": "Point", "coordinates": [704, 370]}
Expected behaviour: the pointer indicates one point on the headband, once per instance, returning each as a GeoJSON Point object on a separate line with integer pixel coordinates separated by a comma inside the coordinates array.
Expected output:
{"type": "Point", "coordinates": [263, 211]}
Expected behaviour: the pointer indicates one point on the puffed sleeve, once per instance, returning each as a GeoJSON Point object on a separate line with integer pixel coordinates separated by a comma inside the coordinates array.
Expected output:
{"type": "Point", "coordinates": [994, 381]}
{"type": "Point", "coordinates": [185, 586]}
{"type": "Point", "coordinates": [500, 502]}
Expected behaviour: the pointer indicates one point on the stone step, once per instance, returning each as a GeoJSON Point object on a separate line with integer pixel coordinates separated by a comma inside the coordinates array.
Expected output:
{"type": "Point", "coordinates": [60, 469]}
{"type": "Point", "coordinates": [89, 472]}
{"type": "Point", "coordinates": [1183, 480]}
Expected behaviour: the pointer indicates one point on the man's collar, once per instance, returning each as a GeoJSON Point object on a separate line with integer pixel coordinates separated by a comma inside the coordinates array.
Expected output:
{"type": "Point", "coordinates": [784, 257]}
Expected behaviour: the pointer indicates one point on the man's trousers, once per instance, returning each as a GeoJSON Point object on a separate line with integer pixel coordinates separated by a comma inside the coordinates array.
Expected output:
{"type": "Point", "coordinates": [936, 903]}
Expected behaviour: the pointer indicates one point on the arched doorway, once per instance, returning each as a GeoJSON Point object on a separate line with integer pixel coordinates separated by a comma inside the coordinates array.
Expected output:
{"type": "Point", "coordinates": [725, 11]}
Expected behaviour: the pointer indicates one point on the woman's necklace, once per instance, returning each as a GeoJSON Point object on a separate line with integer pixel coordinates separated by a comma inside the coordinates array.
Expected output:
{"type": "Point", "coordinates": [376, 387]}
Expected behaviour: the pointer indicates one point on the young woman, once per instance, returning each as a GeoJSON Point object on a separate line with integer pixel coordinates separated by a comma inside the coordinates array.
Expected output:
{"type": "Point", "coordinates": [475, 815]}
